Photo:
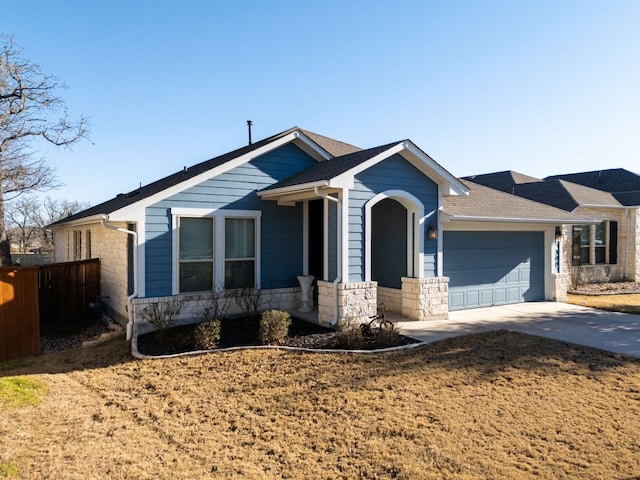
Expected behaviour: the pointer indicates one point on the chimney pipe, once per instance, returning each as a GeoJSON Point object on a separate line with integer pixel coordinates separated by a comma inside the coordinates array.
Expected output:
{"type": "Point", "coordinates": [249, 123]}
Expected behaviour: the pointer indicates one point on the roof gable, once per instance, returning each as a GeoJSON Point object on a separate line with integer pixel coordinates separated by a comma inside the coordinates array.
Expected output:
{"type": "Point", "coordinates": [120, 207]}
{"type": "Point", "coordinates": [340, 171]}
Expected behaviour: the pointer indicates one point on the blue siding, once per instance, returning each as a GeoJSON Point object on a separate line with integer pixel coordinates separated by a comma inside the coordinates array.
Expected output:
{"type": "Point", "coordinates": [281, 227]}
{"type": "Point", "coordinates": [493, 268]}
{"type": "Point", "coordinates": [333, 236]}
{"type": "Point", "coordinates": [394, 173]}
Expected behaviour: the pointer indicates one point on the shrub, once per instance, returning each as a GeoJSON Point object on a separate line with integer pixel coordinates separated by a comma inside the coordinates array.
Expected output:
{"type": "Point", "coordinates": [274, 326]}
{"type": "Point", "coordinates": [248, 300]}
{"type": "Point", "coordinates": [162, 315]}
{"type": "Point", "coordinates": [385, 338]}
{"type": "Point", "coordinates": [349, 335]}
{"type": "Point", "coordinates": [207, 334]}
{"type": "Point", "coordinates": [216, 306]}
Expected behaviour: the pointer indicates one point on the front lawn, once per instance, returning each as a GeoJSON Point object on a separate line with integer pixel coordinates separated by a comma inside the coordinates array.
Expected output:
{"type": "Point", "coordinates": [493, 405]}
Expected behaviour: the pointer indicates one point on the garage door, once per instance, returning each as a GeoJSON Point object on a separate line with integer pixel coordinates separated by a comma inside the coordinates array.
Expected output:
{"type": "Point", "coordinates": [493, 268]}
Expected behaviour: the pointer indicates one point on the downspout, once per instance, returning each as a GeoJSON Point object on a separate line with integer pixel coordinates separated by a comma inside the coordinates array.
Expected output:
{"type": "Point", "coordinates": [339, 255]}
{"type": "Point", "coordinates": [626, 256]}
{"type": "Point", "coordinates": [134, 294]}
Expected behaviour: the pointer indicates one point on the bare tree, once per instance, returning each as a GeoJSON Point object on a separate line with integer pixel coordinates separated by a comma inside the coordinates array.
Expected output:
{"type": "Point", "coordinates": [29, 105]}
{"type": "Point", "coordinates": [51, 210]}
{"type": "Point", "coordinates": [20, 215]}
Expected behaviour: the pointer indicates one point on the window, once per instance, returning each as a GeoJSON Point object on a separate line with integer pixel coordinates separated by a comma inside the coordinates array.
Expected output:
{"type": "Point", "coordinates": [196, 254]}
{"type": "Point", "coordinates": [77, 245]}
{"type": "Point", "coordinates": [215, 249]}
{"type": "Point", "coordinates": [88, 243]}
{"type": "Point", "coordinates": [239, 252]}
{"type": "Point", "coordinates": [595, 244]}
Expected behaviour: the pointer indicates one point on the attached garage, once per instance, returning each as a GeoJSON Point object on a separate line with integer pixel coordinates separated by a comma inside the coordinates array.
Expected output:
{"type": "Point", "coordinates": [488, 268]}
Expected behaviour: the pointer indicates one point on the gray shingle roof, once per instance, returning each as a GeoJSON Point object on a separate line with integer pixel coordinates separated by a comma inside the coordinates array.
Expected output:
{"type": "Point", "coordinates": [125, 199]}
{"type": "Point", "coordinates": [330, 169]}
{"type": "Point", "coordinates": [502, 180]}
{"type": "Point", "coordinates": [623, 184]}
{"type": "Point", "coordinates": [335, 147]}
{"type": "Point", "coordinates": [488, 203]}
{"type": "Point", "coordinates": [555, 192]}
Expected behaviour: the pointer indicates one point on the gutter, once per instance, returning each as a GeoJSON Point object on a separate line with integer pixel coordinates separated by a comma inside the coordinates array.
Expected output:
{"type": "Point", "coordinates": [339, 251]}
{"type": "Point", "coordinates": [133, 295]}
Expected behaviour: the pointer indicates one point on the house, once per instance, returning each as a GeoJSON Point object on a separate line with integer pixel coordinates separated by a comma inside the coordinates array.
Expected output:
{"type": "Point", "coordinates": [383, 224]}
{"type": "Point", "coordinates": [608, 250]}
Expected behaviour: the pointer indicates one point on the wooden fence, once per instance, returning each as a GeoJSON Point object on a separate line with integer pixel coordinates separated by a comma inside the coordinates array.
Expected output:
{"type": "Point", "coordinates": [55, 295]}
{"type": "Point", "coordinates": [66, 291]}
{"type": "Point", "coordinates": [19, 313]}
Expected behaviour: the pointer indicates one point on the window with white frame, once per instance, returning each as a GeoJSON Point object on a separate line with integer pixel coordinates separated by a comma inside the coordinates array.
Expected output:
{"type": "Point", "coordinates": [595, 244]}
{"type": "Point", "coordinates": [196, 254]}
{"type": "Point", "coordinates": [215, 249]}
{"type": "Point", "coordinates": [239, 252]}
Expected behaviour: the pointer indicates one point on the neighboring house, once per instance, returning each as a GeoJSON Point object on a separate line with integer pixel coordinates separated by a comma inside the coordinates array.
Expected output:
{"type": "Point", "coordinates": [385, 224]}
{"type": "Point", "coordinates": [605, 251]}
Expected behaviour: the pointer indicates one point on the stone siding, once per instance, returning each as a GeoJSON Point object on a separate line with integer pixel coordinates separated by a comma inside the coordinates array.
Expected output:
{"type": "Point", "coordinates": [560, 285]}
{"type": "Point", "coordinates": [425, 298]}
{"type": "Point", "coordinates": [356, 301]}
{"type": "Point", "coordinates": [392, 299]}
{"type": "Point", "coordinates": [193, 304]}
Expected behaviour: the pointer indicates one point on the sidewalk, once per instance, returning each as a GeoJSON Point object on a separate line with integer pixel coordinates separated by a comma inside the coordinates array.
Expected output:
{"type": "Point", "coordinates": [616, 332]}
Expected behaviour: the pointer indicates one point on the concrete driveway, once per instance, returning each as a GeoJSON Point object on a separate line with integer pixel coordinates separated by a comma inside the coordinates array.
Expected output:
{"type": "Point", "coordinates": [616, 332]}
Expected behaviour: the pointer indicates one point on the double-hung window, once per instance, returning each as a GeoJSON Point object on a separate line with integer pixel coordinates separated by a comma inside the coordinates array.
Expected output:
{"type": "Point", "coordinates": [196, 254]}
{"type": "Point", "coordinates": [215, 249]}
{"type": "Point", "coordinates": [239, 252]}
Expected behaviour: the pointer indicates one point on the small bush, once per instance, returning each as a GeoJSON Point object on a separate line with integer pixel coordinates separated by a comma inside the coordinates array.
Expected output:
{"type": "Point", "coordinates": [162, 315]}
{"type": "Point", "coordinates": [207, 334]}
{"type": "Point", "coordinates": [385, 338]}
{"type": "Point", "coordinates": [349, 335]}
{"type": "Point", "coordinates": [274, 326]}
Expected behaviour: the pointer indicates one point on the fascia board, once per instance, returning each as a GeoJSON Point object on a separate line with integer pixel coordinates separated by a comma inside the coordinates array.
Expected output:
{"type": "Point", "coordinates": [133, 209]}
{"type": "Point", "coordinates": [555, 221]}
{"type": "Point", "coordinates": [417, 158]}
{"type": "Point", "coordinates": [81, 221]}
{"type": "Point", "coordinates": [454, 186]}
{"type": "Point", "coordinates": [276, 192]}
{"type": "Point", "coordinates": [311, 148]}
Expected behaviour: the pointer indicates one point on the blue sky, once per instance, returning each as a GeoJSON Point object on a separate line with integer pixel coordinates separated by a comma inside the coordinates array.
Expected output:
{"type": "Point", "coordinates": [540, 87]}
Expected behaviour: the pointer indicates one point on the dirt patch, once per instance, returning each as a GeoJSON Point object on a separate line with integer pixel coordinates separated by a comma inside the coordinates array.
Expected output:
{"type": "Point", "coordinates": [492, 405]}
{"type": "Point", "coordinates": [238, 332]}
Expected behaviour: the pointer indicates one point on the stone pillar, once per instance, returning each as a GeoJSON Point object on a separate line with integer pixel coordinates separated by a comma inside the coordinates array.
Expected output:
{"type": "Point", "coordinates": [356, 301]}
{"type": "Point", "coordinates": [425, 298]}
{"type": "Point", "coordinates": [560, 285]}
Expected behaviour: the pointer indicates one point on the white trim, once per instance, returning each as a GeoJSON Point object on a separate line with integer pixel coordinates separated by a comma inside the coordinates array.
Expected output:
{"type": "Point", "coordinates": [305, 237]}
{"type": "Point", "coordinates": [416, 157]}
{"type": "Point", "coordinates": [131, 209]}
{"type": "Point", "coordinates": [218, 215]}
{"type": "Point", "coordinates": [413, 206]}
{"type": "Point", "coordinates": [343, 230]}
{"type": "Point", "coordinates": [325, 240]}
{"type": "Point", "coordinates": [556, 221]}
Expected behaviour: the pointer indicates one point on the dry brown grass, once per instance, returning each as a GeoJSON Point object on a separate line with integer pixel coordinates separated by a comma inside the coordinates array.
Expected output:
{"type": "Point", "coordinates": [494, 405]}
{"type": "Point", "coordinates": [627, 303]}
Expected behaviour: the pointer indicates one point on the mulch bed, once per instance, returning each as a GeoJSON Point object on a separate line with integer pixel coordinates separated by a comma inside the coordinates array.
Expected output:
{"type": "Point", "coordinates": [238, 332]}
{"type": "Point", "coordinates": [609, 288]}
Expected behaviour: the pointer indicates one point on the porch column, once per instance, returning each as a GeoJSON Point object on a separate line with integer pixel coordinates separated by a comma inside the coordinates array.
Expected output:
{"type": "Point", "coordinates": [356, 301]}
{"type": "Point", "coordinates": [425, 298]}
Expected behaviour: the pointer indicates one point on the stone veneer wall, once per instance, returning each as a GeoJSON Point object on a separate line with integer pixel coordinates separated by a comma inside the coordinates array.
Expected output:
{"type": "Point", "coordinates": [425, 298]}
{"type": "Point", "coordinates": [560, 285]}
{"type": "Point", "coordinates": [356, 300]}
{"type": "Point", "coordinates": [193, 304]}
{"type": "Point", "coordinates": [392, 299]}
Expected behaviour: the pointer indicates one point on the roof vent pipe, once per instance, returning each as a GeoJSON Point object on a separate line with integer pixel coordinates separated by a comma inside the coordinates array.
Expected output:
{"type": "Point", "coordinates": [249, 123]}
